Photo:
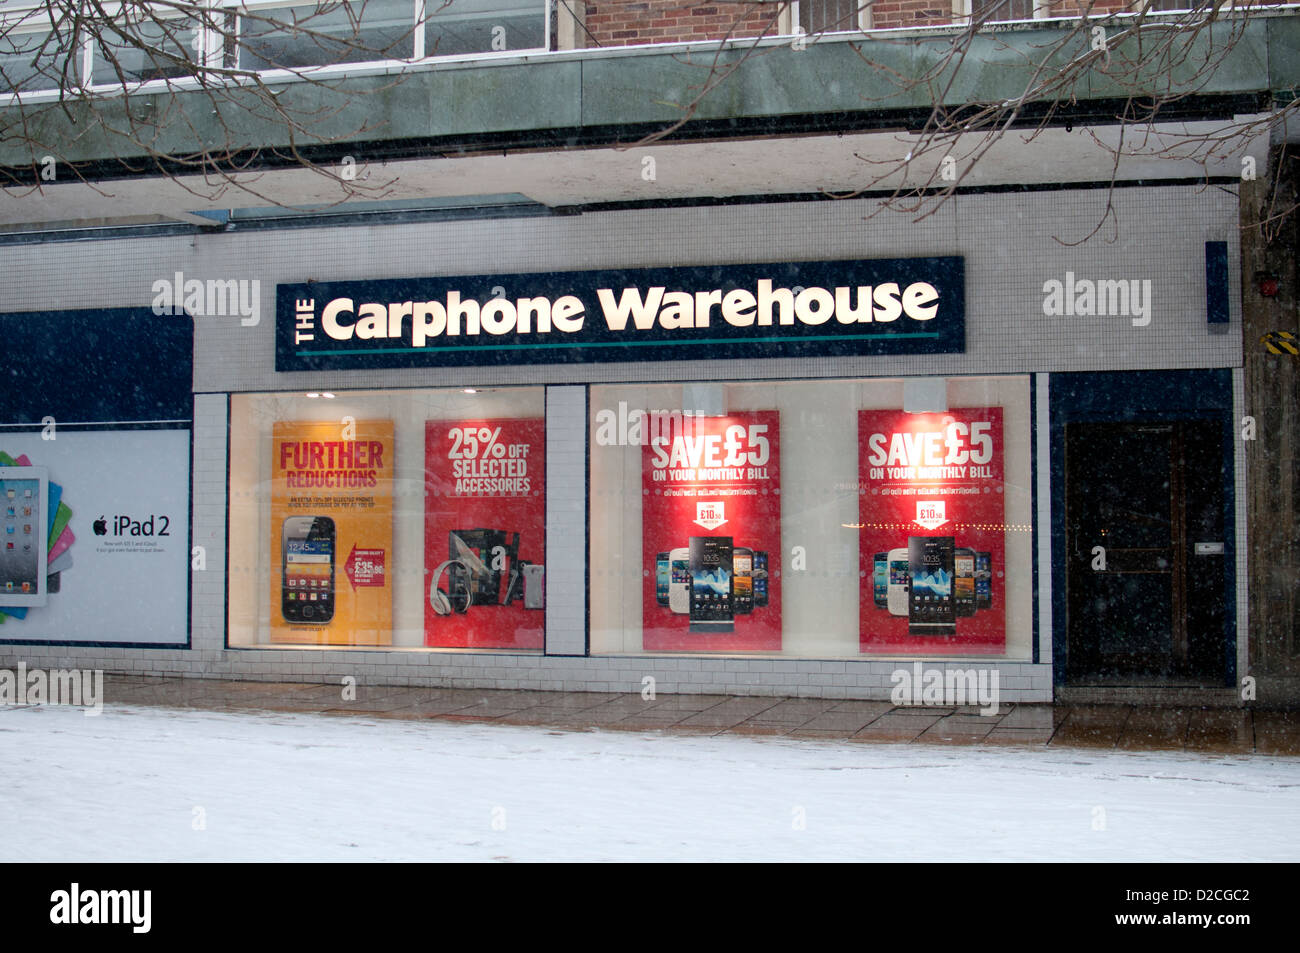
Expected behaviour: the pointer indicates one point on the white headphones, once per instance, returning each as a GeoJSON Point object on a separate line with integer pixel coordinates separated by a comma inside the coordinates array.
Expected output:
{"type": "Point", "coordinates": [440, 601]}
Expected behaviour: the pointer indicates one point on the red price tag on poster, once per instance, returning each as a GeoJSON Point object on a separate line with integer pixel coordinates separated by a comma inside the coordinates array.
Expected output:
{"type": "Point", "coordinates": [365, 567]}
{"type": "Point", "coordinates": [933, 541]}
{"type": "Point", "coordinates": [711, 533]}
{"type": "Point", "coordinates": [485, 533]}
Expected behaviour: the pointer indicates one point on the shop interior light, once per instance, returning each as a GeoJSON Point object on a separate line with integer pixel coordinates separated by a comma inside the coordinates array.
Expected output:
{"type": "Point", "coordinates": [925, 395]}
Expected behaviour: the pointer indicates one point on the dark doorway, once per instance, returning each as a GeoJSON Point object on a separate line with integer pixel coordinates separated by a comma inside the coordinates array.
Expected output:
{"type": "Point", "coordinates": [1145, 552]}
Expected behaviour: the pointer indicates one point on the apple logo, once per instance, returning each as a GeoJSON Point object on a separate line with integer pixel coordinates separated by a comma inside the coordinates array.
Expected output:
{"type": "Point", "coordinates": [99, 526]}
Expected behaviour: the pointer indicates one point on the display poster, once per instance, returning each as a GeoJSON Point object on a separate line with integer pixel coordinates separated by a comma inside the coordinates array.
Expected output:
{"type": "Point", "coordinates": [107, 514]}
{"type": "Point", "coordinates": [485, 533]}
{"type": "Point", "coordinates": [711, 532]}
{"type": "Point", "coordinates": [332, 532]}
{"type": "Point", "coordinates": [95, 413]}
{"type": "Point", "coordinates": [932, 510]}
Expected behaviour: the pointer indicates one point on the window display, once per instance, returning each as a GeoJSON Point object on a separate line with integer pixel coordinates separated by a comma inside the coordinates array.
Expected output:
{"type": "Point", "coordinates": [812, 518]}
{"type": "Point", "coordinates": [399, 519]}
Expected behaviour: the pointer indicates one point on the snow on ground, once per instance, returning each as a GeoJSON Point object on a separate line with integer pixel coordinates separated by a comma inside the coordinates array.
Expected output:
{"type": "Point", "coordinates": [154, 784]}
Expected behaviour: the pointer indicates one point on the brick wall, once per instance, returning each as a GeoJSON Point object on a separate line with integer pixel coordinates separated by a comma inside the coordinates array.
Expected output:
{"type": "Point", "coordinates": [629, 22]}
{"type": "Point", "coordinates": [624, 23]}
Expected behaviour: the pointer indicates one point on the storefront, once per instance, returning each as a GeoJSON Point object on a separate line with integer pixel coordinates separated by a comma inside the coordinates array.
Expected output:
{"type": "Point", "coordinates": [777, 448]}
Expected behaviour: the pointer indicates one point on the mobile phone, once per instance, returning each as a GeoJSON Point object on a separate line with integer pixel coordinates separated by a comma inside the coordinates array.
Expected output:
{"type": "Point", "coordinates": [760, 578]}
{"type": "Point", "coordinates": [662, 577]}
{"type": "Point", "coordinates": [880, 580]}
{"type": "Point", "coordinates": [983, 580]}
{"type": "Point", "coordinates": [931, 609]}
{"type": "Point", "coordinates": [712, 605]}
{"type": "Point", "coordinates": [534, 586]}
{"type": "Point", "coordinates": [963, 582]}
{"type": "Point", "coordinates": [24, 501]}
{"type": "Point", "coordinates": [898, 582]}
{"type": "Point", "coordinates": [307, 570]}
{"type": "Point", "coordinates": [679, 580]}
{"type": "Point", "coordinates": [742, 580]}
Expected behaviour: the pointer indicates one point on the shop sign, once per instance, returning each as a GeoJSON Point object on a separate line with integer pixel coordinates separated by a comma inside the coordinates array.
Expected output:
{"type": "Point", "coordinates": [793, 309]}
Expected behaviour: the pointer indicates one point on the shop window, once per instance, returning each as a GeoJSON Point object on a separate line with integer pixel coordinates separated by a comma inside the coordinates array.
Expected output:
{"type": "Point", "coordinates": [399, 519]}
{"type": "Point", "coordinates": [828, 519]}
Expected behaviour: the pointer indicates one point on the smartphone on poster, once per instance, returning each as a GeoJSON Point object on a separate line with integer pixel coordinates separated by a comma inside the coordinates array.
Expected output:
{"type": "Point", "coordinates": [663, 577]}
{"type": "Point", "coordinates": [760, 579]}
{"type": "Point", "coordinates": [880, 580]}
{"type": "Point", "coordinates": [898, 582]}
{"type": "Point", "coordinates": [931, 607]}
{"type": "Point", "coordinates": [307, 570]}
{"type": "Point", "coordinates": [679, 580]}
{"type": "Point", "coordinates": [742, 580]}
{"type": "Point", "coordinates": [712, 605]}
{"type": "Point", "coordinates": [963, 582]}
{"type": "Point", "coordinates": [983, 580]}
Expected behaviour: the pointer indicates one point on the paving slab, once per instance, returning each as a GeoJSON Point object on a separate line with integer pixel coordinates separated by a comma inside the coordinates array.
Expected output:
{"type": "Point", "coordinates": [1017, 736]}
{"type": "Point", "coordinates": [1201, 730]}
{"type": "Point", "coordinates": [1092, 726]}
{"type": "Point", "coordinates": [1277, 732]}
{"type": "Point", "coordinates": [844, 721]}
{"type": "Point", "coordinates": [1219, 730]}
{"type": "Point", "coordinates": [1041, 717]}
{"type": "Point", "coordinates": [1158, 729]}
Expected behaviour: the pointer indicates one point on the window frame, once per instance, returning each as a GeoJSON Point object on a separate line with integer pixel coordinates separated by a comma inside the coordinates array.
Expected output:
{"type": "Point", "coordinates": [963, 12]}
{"type": "Point", "coordinates": [863, 11]}
{"type": "Point", "coordinates": [213, 55]}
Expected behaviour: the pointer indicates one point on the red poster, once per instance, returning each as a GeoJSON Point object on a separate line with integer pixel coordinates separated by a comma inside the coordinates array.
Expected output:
{"type": "Point", "coordinates": [711, 533]}
{"type": "Point", "coordinates": [932, 539]}
{"type": "Point", "coordinates": [485, 533]}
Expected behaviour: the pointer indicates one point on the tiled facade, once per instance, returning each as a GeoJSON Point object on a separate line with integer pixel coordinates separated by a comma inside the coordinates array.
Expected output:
{"type": "Point", "coordinates": [230, 358]}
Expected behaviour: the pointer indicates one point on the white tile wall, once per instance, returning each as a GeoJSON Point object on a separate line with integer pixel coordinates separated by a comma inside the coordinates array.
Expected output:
{"type": "Point", "coordinates": [566, 502]}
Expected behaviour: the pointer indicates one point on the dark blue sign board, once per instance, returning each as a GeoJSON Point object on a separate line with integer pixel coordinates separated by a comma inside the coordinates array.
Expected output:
{"type": "Point", "coordinates": [119, 365]}
{"type": "Point", "coordinates": [789, 309]}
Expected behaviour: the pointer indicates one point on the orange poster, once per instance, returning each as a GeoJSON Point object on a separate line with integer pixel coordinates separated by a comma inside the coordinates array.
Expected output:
{"type": "Point", "coordinates": [332, 532]}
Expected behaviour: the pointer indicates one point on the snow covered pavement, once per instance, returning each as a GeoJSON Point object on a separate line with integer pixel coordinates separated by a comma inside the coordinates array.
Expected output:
{"type": "Point", "coordinates": [153, 784]}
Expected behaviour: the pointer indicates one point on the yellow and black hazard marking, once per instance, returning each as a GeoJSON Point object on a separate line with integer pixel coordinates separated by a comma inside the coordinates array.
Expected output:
{"type": "Point", "coordinates": [1281, 342]}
